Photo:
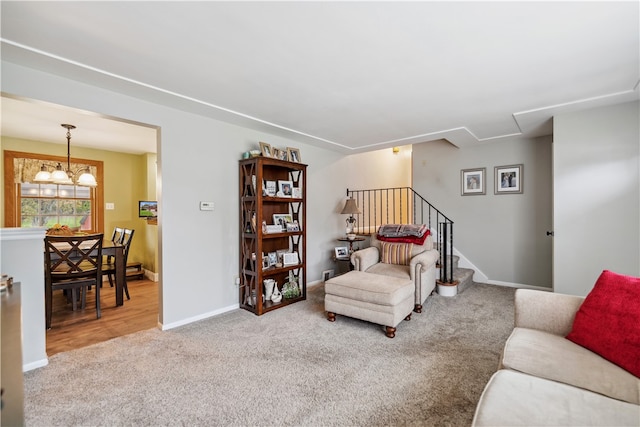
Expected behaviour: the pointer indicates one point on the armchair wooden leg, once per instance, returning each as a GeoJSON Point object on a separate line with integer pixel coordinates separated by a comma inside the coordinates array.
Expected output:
{"type": "Point", "coordinates": [390, 332]}
{"type": "Point", "coordinates": [418, 308]}
{"type": "Point", "coordinates": [331, 317]}
{"type": "Point", "coordinates": [408, 317]}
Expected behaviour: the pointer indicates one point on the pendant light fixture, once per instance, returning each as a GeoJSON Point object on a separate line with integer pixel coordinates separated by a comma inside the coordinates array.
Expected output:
{"type": "Point", "coordinates": [65, 177]}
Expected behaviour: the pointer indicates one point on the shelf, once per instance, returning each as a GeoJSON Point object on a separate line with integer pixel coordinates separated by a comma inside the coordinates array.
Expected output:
{"type": "Point", "coordinates": [256, 208]}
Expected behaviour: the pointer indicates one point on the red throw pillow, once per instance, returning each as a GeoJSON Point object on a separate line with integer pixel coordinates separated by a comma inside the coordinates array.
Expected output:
{"type": "Point", "coordinates": [608, 321]}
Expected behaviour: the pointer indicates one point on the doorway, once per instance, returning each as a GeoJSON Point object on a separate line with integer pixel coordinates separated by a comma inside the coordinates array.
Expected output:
{"type": "Point", "coordinates": [32, 126]}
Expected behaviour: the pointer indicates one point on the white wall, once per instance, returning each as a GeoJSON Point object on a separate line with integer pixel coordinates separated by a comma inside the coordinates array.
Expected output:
{"type": "Point", "coordinates": [198, 160]}
{"type": "Point", "coordinates": [22, 257]}
{"type": "Point", "coordinates": [504, 236]}
{"type": "Point", "coordinates": [596, 195]}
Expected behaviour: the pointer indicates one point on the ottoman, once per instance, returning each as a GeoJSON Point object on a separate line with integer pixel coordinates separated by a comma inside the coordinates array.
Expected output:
{"type": "Point", "coordinates": [372, 297]}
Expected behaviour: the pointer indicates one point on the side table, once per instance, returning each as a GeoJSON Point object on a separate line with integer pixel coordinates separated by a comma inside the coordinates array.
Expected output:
{"type": "Point", "coordinates": [356, 239]}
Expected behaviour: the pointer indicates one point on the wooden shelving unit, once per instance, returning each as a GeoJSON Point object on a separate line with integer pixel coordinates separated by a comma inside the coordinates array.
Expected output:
{"type": "Point", "coordinates": [256, 207]}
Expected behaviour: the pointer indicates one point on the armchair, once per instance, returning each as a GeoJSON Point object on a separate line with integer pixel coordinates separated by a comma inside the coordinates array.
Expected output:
{"type": "Point", "coordinates": [420, 268]}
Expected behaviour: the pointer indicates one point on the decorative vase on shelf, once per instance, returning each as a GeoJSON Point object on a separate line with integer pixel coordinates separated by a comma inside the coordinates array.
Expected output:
{"type": "Point", "coordinates": [276, 296]}
{"type": "Point", "coordinates": [269, 284]}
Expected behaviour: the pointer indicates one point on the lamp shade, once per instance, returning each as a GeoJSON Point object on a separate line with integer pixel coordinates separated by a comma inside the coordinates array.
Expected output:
{"type": "Point", "coordinates": [87, 180]}
{"type": "Point", "coordinates": [43, 175]}
{"type": "Point", "coordinates": [351, 207]}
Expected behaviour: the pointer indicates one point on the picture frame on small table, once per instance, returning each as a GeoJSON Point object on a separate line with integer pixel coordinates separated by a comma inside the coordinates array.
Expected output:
{"type": "Point", "coordinates": [342, 252]}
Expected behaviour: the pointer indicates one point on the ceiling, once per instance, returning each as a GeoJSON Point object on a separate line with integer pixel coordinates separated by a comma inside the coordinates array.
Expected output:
{"type": "Point", "coordinates": [347, 76]}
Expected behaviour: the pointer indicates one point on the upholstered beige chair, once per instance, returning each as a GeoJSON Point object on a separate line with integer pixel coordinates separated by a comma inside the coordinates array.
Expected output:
{"type": "Point", "coordinates": [401, 260]}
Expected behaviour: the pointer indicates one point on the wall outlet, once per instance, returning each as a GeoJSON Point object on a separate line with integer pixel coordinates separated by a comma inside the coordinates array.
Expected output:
{"type": "Point", "coordinates": [110, 206]}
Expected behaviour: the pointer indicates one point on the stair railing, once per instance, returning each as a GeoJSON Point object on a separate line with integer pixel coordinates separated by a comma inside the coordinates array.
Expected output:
{"type": "Point", "coordinates": [403, 205]}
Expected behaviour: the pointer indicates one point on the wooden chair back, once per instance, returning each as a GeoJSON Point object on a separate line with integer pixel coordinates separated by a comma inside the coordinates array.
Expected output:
{"type": "Point", "coordinates": [72, 262]}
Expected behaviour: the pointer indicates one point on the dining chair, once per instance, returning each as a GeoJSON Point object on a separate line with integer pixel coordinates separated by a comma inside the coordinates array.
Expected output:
{"type": "Point", "coordinates": [116, 237]}
{"type": "Point", "coordinates": [72, 263]}
{"type": "Point", "coordinates": [109, 267]}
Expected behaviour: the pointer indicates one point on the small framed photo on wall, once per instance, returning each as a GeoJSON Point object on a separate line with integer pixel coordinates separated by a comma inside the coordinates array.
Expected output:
{"type": "Point", "coordinates": [473, 181]}
{"type": "Point", "coordinates": [508, 179]}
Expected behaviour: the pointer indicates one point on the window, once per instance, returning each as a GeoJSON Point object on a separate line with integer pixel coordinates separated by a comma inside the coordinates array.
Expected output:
{"type": "Point", "coordinates": [43, 205]}
{"type": "Point", "coordinates": [29, 204]}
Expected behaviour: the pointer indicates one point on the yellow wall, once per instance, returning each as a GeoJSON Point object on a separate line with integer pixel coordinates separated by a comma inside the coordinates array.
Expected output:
{"type": "Point", "coordinates": [126, 180]}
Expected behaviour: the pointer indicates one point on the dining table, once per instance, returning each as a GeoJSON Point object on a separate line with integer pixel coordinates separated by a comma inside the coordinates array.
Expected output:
{"type": "Point", "coordinates": [116, 250]}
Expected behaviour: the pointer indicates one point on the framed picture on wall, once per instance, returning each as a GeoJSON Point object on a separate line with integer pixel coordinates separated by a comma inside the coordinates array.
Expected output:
{"type": "Point", "coordinates": [472, 181]}
{"type": "Point", "coordinates": [508, 179]}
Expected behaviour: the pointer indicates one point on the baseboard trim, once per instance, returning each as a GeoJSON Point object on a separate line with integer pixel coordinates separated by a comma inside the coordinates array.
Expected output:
{"type": "Point", "coordinates": [34, 365]}
{"type": "Point", "coordinates": [203, 316]}
{"type": "Point", "coordinates": [518, 285]}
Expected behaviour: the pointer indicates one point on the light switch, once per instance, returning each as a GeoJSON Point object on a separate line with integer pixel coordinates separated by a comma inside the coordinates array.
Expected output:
{"type": "Point", "coordinates": [206, 206]}
{"type": "Point", "coordinates": [110, 206]}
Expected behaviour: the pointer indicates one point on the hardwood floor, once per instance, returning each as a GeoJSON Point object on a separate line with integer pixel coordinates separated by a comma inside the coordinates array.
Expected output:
{"type": "Point", "coordinates": [75, 329]}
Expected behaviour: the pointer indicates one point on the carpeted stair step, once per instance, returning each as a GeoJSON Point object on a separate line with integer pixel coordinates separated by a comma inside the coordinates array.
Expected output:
{"type": "Point", "coordinates": [464, 277]}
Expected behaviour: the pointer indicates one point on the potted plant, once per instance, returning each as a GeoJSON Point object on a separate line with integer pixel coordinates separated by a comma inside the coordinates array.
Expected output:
{"type": "Point", "coordinates": [291, 289]}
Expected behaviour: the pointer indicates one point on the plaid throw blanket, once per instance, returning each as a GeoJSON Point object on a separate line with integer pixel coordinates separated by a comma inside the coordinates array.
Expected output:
{"type": "Point", "coordinates": [402, 230]}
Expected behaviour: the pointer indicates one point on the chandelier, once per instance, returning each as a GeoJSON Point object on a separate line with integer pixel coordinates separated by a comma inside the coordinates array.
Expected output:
{"type": "Point", "coordinates": [65, 177]}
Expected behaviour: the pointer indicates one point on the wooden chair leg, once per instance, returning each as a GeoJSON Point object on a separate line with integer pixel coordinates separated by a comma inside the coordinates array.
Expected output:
{"type": "Point", "coordinates": [98, 313]}
{"type": "Point", "coordinates": [418, 308]}
{"type": "Point", "coordinates": [126, 289]}
{"type": "Point", "coordinates": [331, 317]}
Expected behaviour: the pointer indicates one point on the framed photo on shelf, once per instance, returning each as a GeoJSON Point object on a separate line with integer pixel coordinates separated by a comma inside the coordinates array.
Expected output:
{"type": "Point", "coordinates": [273, 258]}
{"type": "Point", "coordinates": [279, 154]}
{"type": "Point", "coordinates": [265, 262]}
{"type": "Point", "coordinates": [285, 188]}
{"type": "Point", "coordinates": [265, 149]}
{"type": "Point", "coordinates": [281, 253]}
{"type": "Point", "coordinates": [293, 154]}
{"type": "Point", "coordinates": [293, 226]}
{"type": "Point", "coordinates": [508, 179]}
{"type": "Point", "coordinates": [290, 258]}
{"type": "Point", "coordinates": [270, 188]}
{"type": "Point", "coordinates": [282, 220]}
{"type": "Point", "coordinates": [296, 193]}
{"type": "Point", "coordinates": [473, 181]}
{"type": "Point", "coordinates": [342, 252]}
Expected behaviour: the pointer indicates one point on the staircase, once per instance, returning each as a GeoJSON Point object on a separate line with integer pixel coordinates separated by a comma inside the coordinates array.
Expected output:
{"type": "Point", "coordinates": [402, 205]}
{"type": "Point", "coordinates": [464, 276]}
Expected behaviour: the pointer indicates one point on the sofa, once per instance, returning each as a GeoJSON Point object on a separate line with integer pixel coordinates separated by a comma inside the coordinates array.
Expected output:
{"type": "Point", "coordinates": [545, 379]}
{"type": "Point", "coordinates": [419, 265]}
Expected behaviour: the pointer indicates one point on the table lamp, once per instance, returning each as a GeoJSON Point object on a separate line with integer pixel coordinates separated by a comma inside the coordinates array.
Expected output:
{"type": "Point", "coordinates": [351, 208]}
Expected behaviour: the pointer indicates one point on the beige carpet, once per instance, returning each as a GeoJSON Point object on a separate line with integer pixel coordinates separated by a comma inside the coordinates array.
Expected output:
{"type": "Point", "coordinates": [289, 367]}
